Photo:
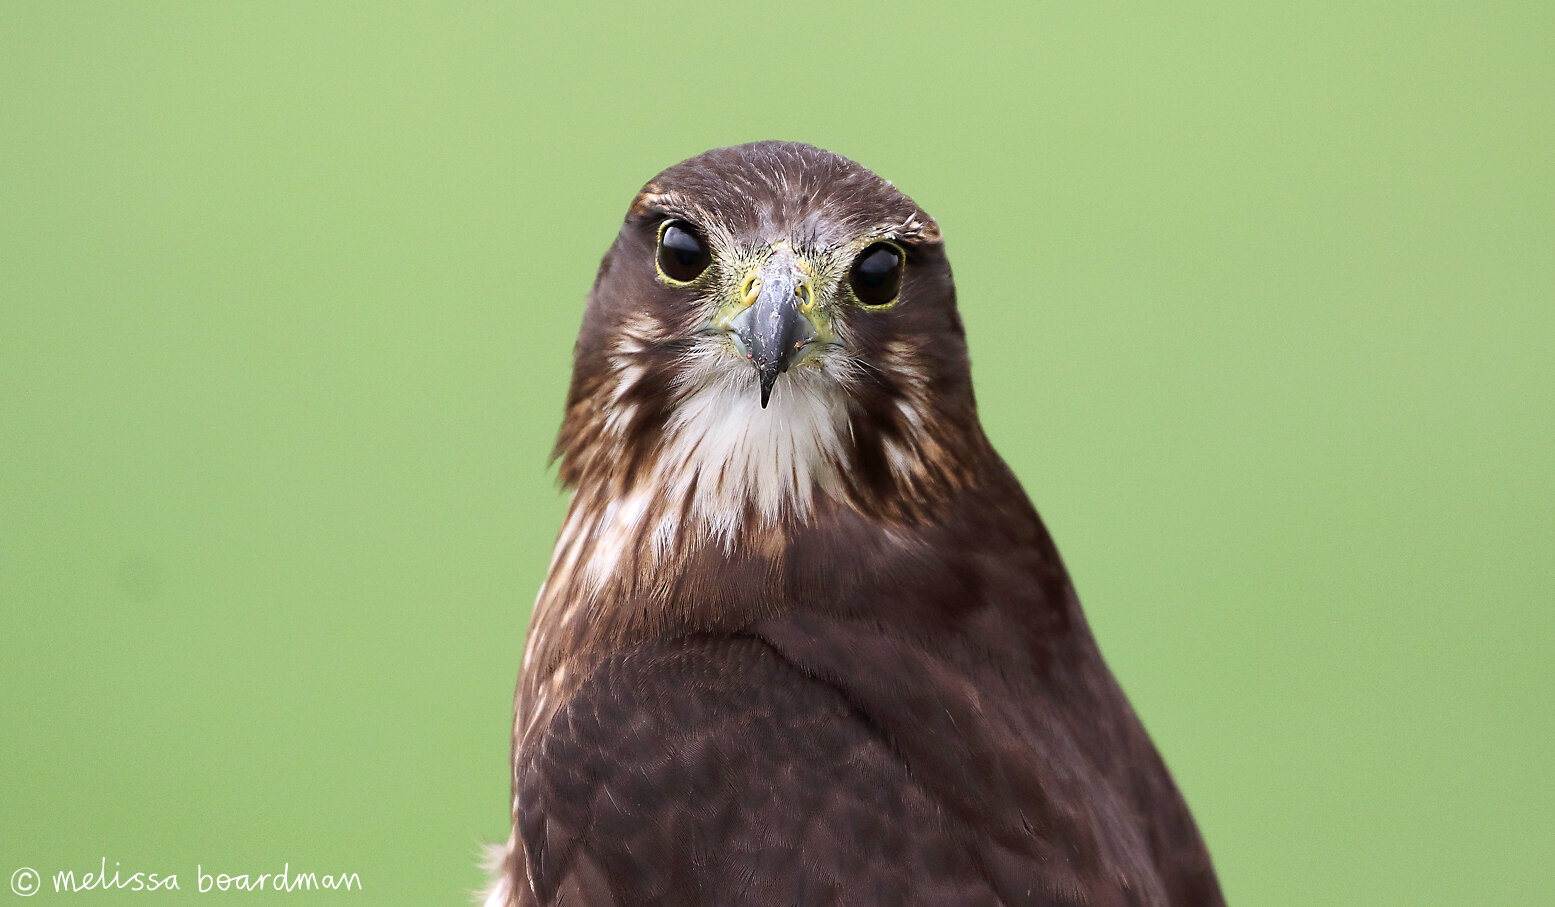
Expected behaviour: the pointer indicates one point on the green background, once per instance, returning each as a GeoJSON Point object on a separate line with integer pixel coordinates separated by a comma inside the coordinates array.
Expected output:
{"type": "Point", "coordinates": [1260, 307]}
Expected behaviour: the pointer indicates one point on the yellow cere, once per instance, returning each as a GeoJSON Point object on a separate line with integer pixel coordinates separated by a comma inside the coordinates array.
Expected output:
{"type": "Point", "coordinates": [750, 288]}
{"type": "Point", "coordinates": [745, 292]}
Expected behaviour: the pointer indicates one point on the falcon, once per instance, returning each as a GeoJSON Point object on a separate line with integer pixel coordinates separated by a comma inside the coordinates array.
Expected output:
{"type": "Point", "coordinates": [804, 639]}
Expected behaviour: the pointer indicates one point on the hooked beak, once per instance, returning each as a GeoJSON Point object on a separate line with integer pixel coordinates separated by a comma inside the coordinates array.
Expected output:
{"type": "Point", "coordinates": [773, 330]}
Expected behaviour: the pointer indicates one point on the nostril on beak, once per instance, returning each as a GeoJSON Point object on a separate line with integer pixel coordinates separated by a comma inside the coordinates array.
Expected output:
{"type": "Point", "coordinates": [750, 288]}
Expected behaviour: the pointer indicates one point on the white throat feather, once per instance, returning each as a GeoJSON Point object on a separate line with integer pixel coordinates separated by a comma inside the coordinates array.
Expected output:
{"type": "Point", "coordinates": [724, 466]}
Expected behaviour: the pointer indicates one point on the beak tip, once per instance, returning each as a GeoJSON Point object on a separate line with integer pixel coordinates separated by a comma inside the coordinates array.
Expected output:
{"type": "Point", "coordinates": [766, 378]}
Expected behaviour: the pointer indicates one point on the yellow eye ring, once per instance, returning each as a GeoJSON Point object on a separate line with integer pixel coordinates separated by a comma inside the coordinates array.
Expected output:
{"type": "Point", "coordinates": [876, 275]}
{"type": "Point", "coordinates": [683, 254]}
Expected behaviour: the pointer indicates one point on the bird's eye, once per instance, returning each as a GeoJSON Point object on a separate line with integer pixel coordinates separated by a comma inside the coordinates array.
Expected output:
{"type": "Point", "coordinates": [877, 274]}
{"type": "Point", "coordinates": [683, 253]}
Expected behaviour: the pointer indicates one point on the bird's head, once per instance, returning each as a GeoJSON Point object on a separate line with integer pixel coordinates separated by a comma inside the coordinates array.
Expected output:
{"type": "Point", "coordinates": [789, 258]}
{"type": "Point", "coordinates": [772, 321]}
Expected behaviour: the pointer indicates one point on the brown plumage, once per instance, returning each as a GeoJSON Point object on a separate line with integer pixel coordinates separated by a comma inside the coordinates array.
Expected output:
{"type": "Point", "coordinates": [817, 649]}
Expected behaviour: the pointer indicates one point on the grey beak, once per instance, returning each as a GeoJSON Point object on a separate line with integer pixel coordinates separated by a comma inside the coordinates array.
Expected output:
{"type": "Point", "coordinates": [773, 330]}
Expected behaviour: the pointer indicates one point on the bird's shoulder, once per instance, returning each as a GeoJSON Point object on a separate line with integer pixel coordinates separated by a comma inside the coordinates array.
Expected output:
{"type": "Point", "coordinates": [710, 770]}
{"type": "Point", "coordinates": [1035, 750]}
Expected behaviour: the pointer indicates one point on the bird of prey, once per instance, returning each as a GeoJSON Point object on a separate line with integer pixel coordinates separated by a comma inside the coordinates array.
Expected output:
{"type": "Point", "coordinates": [804, 640]}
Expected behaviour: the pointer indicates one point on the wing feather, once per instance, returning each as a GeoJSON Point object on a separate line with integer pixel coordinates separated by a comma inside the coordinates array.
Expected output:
{"type": "Point", "coordinates": [708, 770]}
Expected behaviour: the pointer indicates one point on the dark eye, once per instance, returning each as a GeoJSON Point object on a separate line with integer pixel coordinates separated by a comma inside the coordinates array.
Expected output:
{"type": "Point", "coordinates": [683, 254]}
{"type": "Point", "coordinates": [877, 274]}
